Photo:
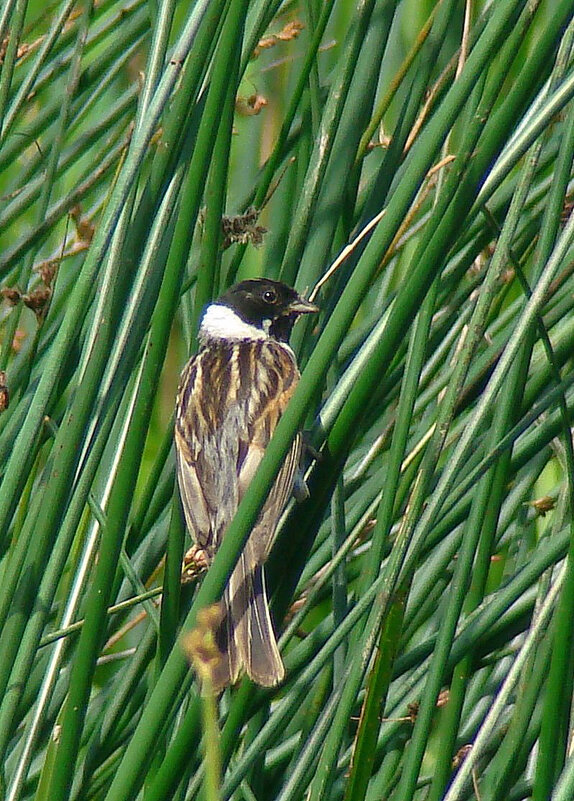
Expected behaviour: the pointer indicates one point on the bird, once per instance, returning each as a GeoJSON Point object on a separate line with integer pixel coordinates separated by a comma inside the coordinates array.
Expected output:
{"type": "Point", "coordinates": [230, 398]}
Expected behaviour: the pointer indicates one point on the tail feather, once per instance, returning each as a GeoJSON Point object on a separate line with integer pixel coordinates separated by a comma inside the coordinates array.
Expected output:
{"type": "Point", "coordinates": [259, 651]}
{"type": "Point", "coordinates": [246, 638]}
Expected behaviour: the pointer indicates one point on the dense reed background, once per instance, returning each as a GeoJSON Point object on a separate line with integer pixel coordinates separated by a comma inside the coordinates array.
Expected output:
{"type": "Point", "coordinates": [414, 159]}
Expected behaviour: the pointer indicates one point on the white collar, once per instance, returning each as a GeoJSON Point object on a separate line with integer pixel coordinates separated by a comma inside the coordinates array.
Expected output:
{"type": "Point", "coordinates": [221, 322]}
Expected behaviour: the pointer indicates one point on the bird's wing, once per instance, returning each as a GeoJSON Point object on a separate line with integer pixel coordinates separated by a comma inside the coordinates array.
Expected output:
{"type": "Point", "coordinates": [196, 447]}
{"type": "Point", "coordinates": [278, 364]}
{"type": "Point", "coordinates": [227, 411]}
{"type": "Point", "coordinates": [198, 515]}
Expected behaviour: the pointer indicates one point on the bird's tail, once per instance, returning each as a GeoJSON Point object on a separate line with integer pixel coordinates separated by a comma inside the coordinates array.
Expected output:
{"type": "Point", "coordinates": [246, 638]}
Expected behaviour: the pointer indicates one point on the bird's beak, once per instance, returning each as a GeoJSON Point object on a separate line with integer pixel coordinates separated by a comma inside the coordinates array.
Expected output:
{"type": "Point", "coordinates": [302, 306]}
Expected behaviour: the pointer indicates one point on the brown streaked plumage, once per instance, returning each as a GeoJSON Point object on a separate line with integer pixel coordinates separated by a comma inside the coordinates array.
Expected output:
{"type": "Point", "coordinates": [230, 399]}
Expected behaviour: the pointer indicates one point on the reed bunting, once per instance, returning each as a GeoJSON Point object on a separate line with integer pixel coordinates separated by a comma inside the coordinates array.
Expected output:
{"type": "Point", "coordinates": [230, 398]}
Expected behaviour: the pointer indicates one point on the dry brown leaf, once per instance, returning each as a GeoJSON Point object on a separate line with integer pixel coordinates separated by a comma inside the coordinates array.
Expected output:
{"type": "Point", "coordinates": [290, 31]}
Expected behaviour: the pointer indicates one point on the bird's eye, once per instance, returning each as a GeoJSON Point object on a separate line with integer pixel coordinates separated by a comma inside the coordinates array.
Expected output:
{"type": "Point", "coordinates": [270, 296]}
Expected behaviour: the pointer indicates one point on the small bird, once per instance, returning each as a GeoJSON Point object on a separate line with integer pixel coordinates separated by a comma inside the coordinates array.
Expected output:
{"type": "Point", "coordinates": [230, 398]}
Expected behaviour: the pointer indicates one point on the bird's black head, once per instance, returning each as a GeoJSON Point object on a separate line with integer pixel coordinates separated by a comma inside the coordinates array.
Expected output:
{"type": "Point", "coordinates": [270, 307]}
